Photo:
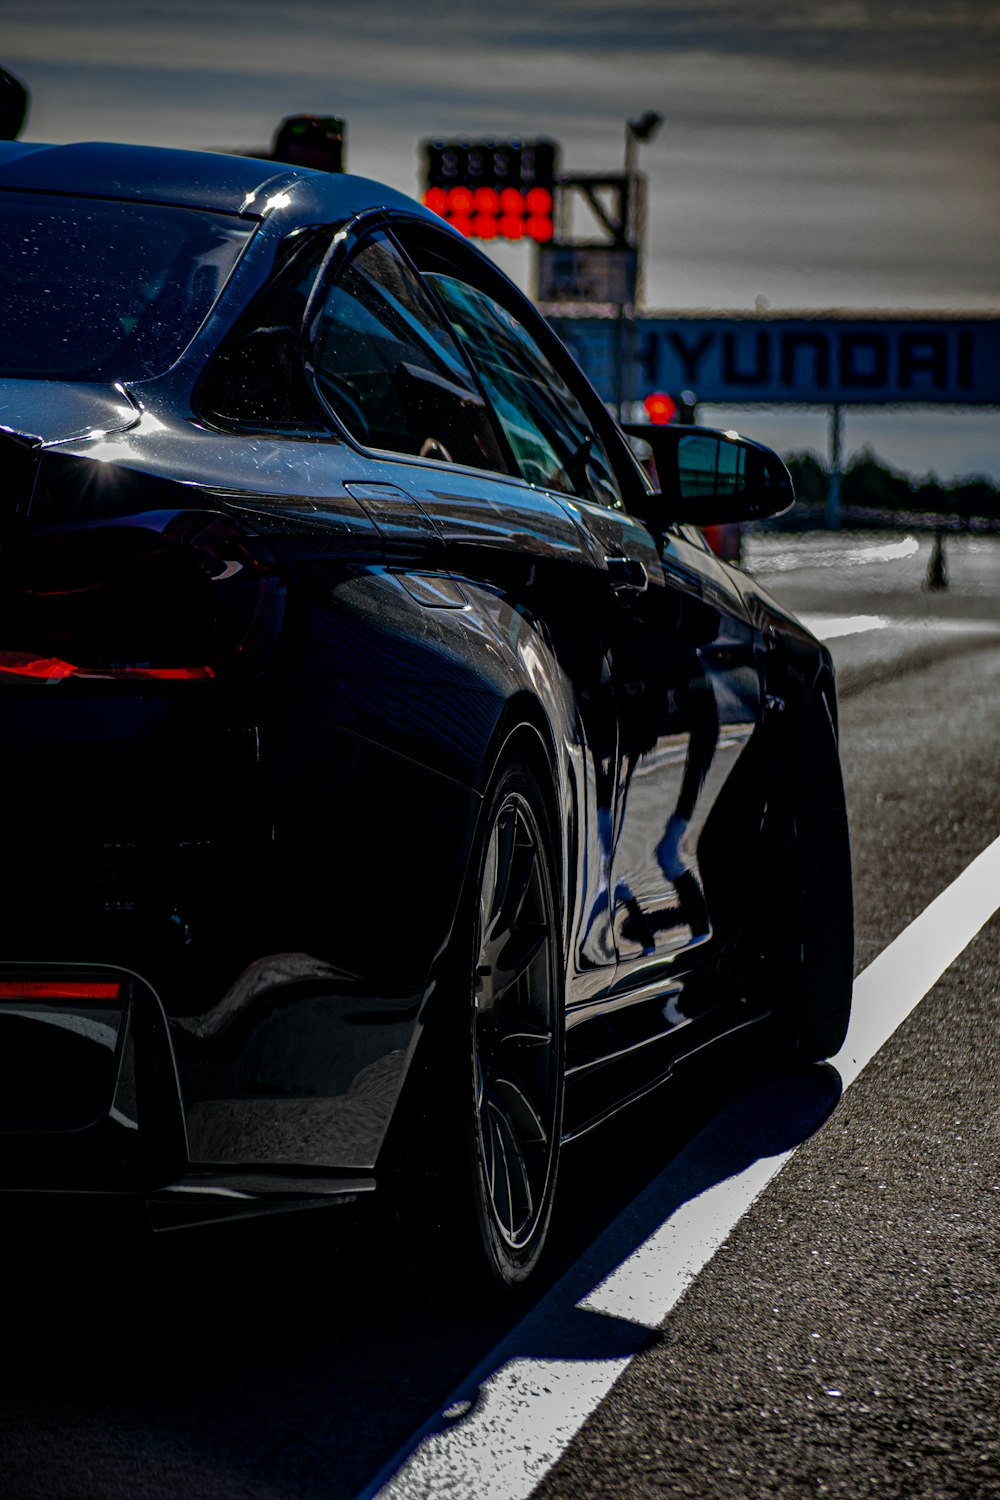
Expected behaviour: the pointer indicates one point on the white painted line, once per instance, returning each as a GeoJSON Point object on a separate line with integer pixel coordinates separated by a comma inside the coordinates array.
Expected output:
{"type": "Point", "coordinates": [829, 627]}
{"type": "Point", "coordinates": [526, 1415]}
{"type": "Point", "coordinates": [505, 1427]}
{"type": "Point", "coordinates": [656, 1275]}
{"type": "Point", "coordinates": [903, 973]}
{"type": "Point", "coordinates": [789, 556]}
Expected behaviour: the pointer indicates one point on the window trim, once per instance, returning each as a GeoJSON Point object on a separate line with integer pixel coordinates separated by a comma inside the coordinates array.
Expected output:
{"type": "Point", "coordinates": [287, 253]}
{"type": "Point", "coordinates": [461, 260]}
{"type": "Point", "coordinates": [348, 243]}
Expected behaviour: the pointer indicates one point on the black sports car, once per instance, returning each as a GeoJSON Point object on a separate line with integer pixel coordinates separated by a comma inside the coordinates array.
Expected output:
{"type": "Point", "coordinates": [395, 782]}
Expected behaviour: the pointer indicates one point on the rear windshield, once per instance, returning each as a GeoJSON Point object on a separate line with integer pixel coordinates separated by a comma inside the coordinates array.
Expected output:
{"type": "Point", "coordinates": [97, 290]}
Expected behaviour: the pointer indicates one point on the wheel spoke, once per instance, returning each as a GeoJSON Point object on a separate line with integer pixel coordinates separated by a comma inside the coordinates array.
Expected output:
{"type": "Point", "coordinates": [515, 868]}
{"type": "Point", "coordinates": [488, 894]}
{"type": "Point", "coordinates": [489, 1155]}
{"type": "Point", "coordinates": [525, 1035]}
{"type": "Point", "coordinates": [498, 1176]}
{"type": "Point", "coordinates": [518, 1207]}
{"type": "Point", "coordinates": [498, 863]}
{"type": "Point", "coordinates": [521, 1111]}
{"type": "Point", "coordinates": [514, 957]}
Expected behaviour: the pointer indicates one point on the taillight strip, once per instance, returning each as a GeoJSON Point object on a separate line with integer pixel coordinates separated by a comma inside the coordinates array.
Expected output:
{"type": "Point", "coordinates": [59, 989]}
{"type": "Point", "coordinates": [54, 669]}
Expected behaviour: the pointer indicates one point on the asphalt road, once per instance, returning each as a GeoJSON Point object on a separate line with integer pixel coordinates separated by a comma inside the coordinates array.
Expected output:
{"type": "Point", "coordinates": [843, 1342]}
{"type": "Point", "coordinates": [846, 1342]}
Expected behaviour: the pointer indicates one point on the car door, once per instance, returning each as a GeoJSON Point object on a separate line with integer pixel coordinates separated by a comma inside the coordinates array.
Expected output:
{"type": "Point", "coordinates": [690, 707]}
{"type": "Point", "coordinates": [562, 458]}
{"type": "Point", "coordinates": [687, 703]}
{"type": "Point", "coordinates": [536, 511]}
{"type": "Point", "coordinates": [677, 701]}
{"type": "Point", "coordinates": [395, 374]}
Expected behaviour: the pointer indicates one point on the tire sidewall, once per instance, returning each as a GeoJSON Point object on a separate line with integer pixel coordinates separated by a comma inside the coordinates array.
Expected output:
{"type": "Point", "coordinates": [812, 951]}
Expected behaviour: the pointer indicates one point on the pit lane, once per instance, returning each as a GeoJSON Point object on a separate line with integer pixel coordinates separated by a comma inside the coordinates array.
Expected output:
{"type": "Point", "coordinates": [300, 1358]}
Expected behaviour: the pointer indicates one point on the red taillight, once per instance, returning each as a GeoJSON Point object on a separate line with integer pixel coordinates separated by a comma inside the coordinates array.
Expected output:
{"type": "Point", "coordinates": [22, 665]}
{"type": "Point", "coordinates": [59, 989]}
{"type": "Point", "coordinates": [180, 596]}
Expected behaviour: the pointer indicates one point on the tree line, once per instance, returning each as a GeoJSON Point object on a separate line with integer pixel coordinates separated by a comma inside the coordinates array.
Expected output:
{"type": "Point", "coordinates": [868, 484]}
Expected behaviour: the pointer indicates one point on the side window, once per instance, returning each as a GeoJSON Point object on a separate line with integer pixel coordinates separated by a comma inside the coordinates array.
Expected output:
{"type": "Point", "coordinates": [390, 368]}
{"type": "Point", "coordinates": [551, 437]}
{"type": "Point", "coordinates": [255, 382]}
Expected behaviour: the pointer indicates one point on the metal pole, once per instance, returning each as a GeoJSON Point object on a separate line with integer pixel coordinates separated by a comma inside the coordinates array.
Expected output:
{"type": "Point", "coordinates": [633, 225]}
{"type": "Point", "coordinates": [833, 486]}
{"type": "Point", "coordinates": [626, 311]}
{"type": "Point", "coordinates": [631, 151]}
{"type": "Point", "coordinates": [640, 237]}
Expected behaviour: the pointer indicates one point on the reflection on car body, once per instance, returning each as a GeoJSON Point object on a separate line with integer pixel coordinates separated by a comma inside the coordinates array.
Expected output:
{"type": "Point", "coordinates": [398, 783]}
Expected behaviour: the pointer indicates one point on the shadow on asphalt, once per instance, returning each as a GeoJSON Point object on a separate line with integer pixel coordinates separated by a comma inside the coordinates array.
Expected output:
{"type": "Point", "coordinates": [770, 1113]}
{"type": "Point", "coordinates": [298, 1355]}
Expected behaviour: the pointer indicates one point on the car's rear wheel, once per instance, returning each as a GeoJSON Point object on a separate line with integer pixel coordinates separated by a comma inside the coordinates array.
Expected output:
{"type": "Point", "coordinates": [812, 968]}
{"type": "Point", "coordinates": [474, 1152]}
{"type": "Point", "coordinates": [515, 1025]}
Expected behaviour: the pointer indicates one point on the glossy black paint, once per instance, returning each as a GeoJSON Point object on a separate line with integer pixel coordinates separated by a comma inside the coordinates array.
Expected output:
{"type": "Point", "coordinates": [271, 857]}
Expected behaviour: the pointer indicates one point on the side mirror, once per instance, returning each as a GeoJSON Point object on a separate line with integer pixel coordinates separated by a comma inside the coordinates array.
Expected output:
{"type": "Point", "coordinates": [708, 477]}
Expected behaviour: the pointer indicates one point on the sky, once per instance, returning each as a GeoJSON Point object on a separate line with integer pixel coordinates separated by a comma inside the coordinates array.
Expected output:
{"type": "Point", "coordinates": [814, 154]}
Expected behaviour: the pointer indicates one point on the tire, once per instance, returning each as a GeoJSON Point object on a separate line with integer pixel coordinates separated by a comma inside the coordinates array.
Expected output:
{"type": "Point", "coordinates": [491, 1075]}
{"type": "Point", "coordinates": [514, 996]}
{"type": "Point", "coordinates": [813, 950]}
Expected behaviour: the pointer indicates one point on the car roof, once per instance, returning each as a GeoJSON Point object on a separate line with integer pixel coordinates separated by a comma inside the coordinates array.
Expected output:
{"type": "Point", "coordinates": [193, 179]}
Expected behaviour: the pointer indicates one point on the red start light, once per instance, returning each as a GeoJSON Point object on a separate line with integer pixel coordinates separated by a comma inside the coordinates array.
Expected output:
{"type": "Point", "coordinates": [494, 188]}
{"type": "Point", "coordinates": [59, 989]}
{"type": "Point", "coordinates": [460, 200]}
{"type": "Point", "coordinates": [660, 408]}
{"type": "Point", "coordinates": [485, 213]}
{"type": "Point", "coordinates": [538, 200]}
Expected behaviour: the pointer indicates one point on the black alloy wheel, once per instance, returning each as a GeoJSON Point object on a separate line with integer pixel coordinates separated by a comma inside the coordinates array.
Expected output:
{"type": "Point", "coordinates": [516, 1029]}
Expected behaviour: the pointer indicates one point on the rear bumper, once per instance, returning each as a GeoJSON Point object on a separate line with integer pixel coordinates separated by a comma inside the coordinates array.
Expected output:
{"type": "Point", "coordinates": [88, 1088]}
{"type": "Point", "coordinates": [90, 1105]}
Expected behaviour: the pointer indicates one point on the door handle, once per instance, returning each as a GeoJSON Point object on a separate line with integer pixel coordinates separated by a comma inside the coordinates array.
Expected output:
{"type": "Point", "coordinates": [626, 576]}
